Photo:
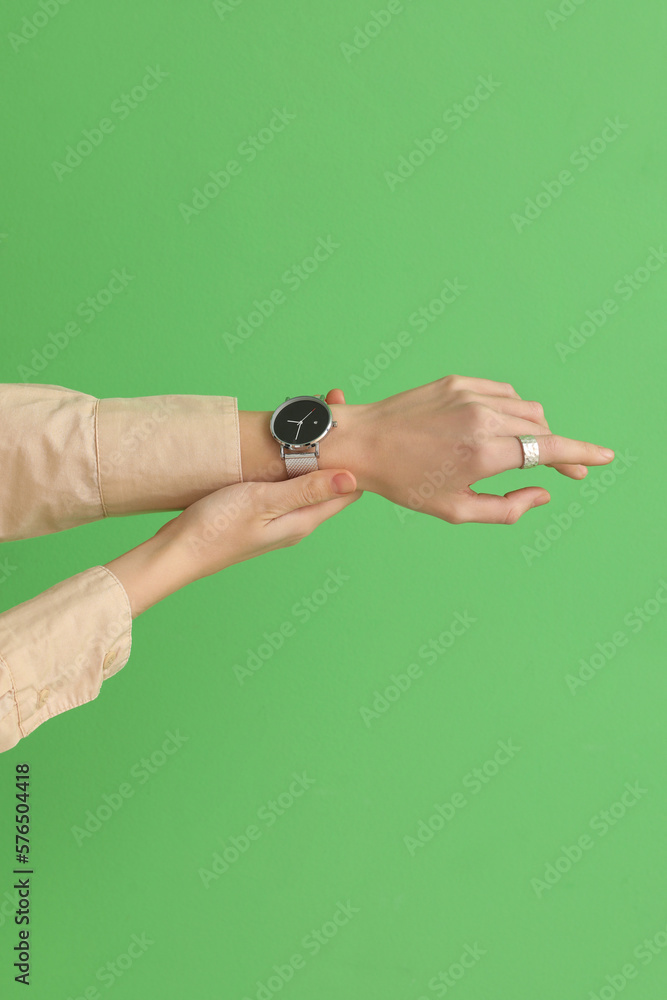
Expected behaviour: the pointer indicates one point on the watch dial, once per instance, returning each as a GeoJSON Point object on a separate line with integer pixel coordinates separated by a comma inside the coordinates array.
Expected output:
{"type": "Point", "coordinates": [302, 421]}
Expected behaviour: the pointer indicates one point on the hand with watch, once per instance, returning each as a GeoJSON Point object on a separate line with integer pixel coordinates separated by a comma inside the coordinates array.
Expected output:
{"type": "Point", "coordinates": [423, 448]}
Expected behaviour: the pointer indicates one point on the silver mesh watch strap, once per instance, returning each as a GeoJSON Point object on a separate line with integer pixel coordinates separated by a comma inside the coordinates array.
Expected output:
{"type": "Point", "coordinates": [300, 464]}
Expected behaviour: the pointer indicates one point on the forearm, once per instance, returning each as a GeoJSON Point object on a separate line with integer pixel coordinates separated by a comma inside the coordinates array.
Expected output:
{"type": "Point", "coordinates": [154, 569]}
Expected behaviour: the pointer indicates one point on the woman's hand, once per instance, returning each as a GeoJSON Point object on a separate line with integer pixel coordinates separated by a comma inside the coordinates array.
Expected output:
{"type": "Point", "coordinates": [424, 448]}
{"type": "Point", "coordinates": [233, 524]}
{"type": "Point", "coordinates": [248, 519]}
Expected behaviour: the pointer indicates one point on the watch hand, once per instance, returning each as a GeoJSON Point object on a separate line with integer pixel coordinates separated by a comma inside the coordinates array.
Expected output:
{"type": "Point", "coordinates": [299, 422]}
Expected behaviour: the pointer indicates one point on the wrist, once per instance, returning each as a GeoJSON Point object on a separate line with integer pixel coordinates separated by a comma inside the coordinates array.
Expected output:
{"type": "Point", "coordinates": [260, 452]}
{"type": "Point", "coordinates": [352, 444]}
{"type": "Point", "coordinates": [152, 570]}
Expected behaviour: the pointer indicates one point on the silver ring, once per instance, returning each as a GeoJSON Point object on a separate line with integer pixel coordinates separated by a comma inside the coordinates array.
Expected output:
{"type": "Point", "coordinates": [531, 451]}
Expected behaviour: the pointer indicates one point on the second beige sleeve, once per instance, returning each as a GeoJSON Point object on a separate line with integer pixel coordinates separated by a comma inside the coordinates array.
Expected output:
{"type": "Point", "coordinates": [57, 648]}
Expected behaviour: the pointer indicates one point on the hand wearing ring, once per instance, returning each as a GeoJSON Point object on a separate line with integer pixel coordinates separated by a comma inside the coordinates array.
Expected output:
{"type": "Point", "coordinates": [424, 448]}
{"type": "Point", "coordinates": [531, 451]}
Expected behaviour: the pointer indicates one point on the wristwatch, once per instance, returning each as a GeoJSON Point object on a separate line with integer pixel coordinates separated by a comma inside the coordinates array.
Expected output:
{"type": "Point", "coordinates": [298, 425]}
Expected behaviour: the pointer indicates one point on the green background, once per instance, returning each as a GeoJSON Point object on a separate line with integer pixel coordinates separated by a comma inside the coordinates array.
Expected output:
{"type": "Point", "coordinates": [357, 113]}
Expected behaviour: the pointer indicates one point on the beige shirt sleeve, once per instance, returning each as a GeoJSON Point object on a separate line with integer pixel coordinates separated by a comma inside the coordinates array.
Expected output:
{"type": "Point", "coordinates": [58, 647]}
{"type": "Point", "coordinates": [68, 458]}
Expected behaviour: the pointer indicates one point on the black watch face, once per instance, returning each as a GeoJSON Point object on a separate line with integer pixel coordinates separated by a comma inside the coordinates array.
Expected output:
{"type": "Point", "coordinates": [301, 421]}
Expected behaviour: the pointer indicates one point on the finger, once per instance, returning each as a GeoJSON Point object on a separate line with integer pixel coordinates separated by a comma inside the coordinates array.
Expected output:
{"type": "Point", "coordinates": [571, 471]}
{"type": "Point", "coordinates": [528, 409]}
{"type": "Point", "coordinates": [307, 519]}
{"type": "Point", "coordinates": [487, 508]}
{"type": "Point", "coordinates": [511, 425]}
{"type": "Point", "coordinates": [335, 396]}
{"type": "Point", "coordinates": [486, 386]}
{"type": "Point", "coordinates": [506, 452]}
{"type": "Point", "coordinates": [495, 425]}
{"type": "Point", "coordinates": [303, 491]}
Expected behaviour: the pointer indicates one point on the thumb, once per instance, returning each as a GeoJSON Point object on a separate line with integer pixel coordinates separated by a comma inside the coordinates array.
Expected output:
{"type": "Point", "coordinates": [308, 490]}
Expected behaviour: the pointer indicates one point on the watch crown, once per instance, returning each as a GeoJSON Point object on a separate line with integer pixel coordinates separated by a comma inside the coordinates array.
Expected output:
{"type": "Point", "coordinates": [335, 423]}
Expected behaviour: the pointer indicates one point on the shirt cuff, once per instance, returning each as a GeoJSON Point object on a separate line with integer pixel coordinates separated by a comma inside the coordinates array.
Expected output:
{"type": "Point", "coordinates": [158, 453]}
{"type": "Point", "coordinates": [49, 478]}
{"type": "Point", "coordinates": [58, 647]}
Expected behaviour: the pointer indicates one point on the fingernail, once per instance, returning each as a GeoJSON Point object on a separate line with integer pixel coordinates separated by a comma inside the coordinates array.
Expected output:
{"type": "Point", "coordinates": [607, 452]}
{"type": "Point", "coordinates": [343, 482]}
